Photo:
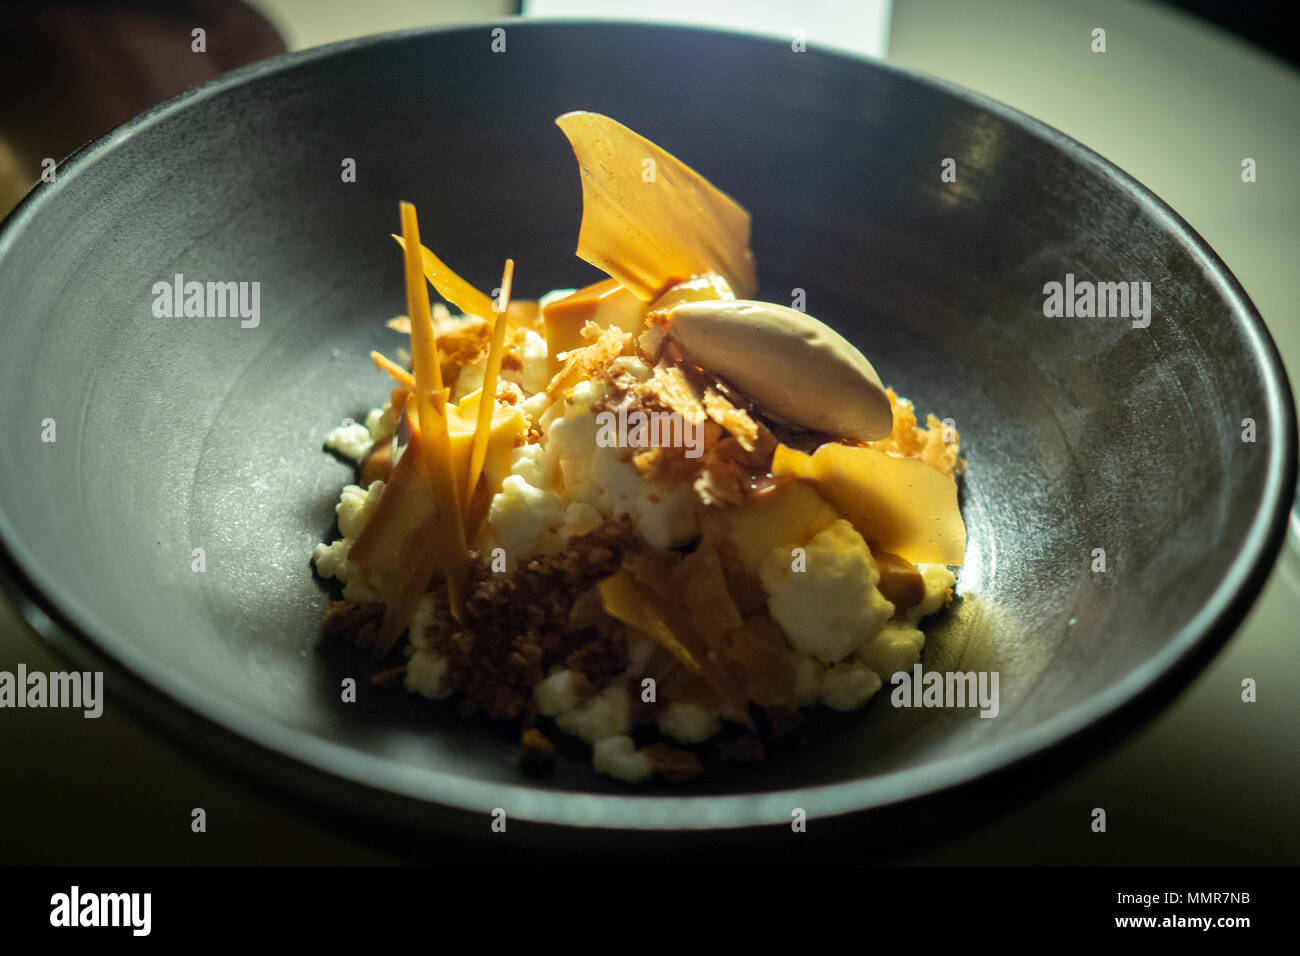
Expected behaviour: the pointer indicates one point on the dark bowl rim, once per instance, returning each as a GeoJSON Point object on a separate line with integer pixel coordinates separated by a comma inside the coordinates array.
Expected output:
{"type": "Point", "coordinates": [281, 754]}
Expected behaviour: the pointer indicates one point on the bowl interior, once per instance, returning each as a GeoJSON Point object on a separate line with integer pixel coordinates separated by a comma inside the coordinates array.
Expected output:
{"type": "Point", "coordinates": [174, 434]}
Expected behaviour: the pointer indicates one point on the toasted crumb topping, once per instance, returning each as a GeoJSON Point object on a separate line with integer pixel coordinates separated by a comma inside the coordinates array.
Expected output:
{"type": "Point", "coordinates": [516, 626]}
{"type": "Point", "coordinates": [359, 624]}
{"type": "Point", "coordinates": [936, 444]}
{"type": "Point", "coordinates": [673, 763]}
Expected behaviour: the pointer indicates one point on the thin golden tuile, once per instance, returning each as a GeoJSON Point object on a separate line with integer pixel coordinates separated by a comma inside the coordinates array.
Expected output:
{"type": "Point", "coordinates": [385, 364]}
{"type": "Point", "coordinates": [488, 397]}
{"type": "Point", "coordinates": [451, 286]}
{"type": "Point", "coordinates": [431, 405]}
{"type": "Point", "coordinates": [648, 219]}
{"type": "Point", "coordinates": [625, 600]}
{"type": "Point", "coordinates": [901, 506]}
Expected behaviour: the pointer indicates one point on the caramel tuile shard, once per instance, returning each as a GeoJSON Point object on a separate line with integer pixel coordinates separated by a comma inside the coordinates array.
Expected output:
{"type": "Point", "coordinates": [400, 375]}
{"type": "Point", "coordinates": [431, 406]}
{"type": "Point", "coordinates": [648, 219]}
{"type": "Point", "coordinates": [487, 399]}
{"type": "Point", "coordinates": [449, 285]}
{"type": "Point", "coordinates": [899, 505]}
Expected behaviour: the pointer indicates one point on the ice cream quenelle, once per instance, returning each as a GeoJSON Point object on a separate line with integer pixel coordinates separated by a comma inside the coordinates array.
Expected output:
{"type": "Point", "coordinates": [788, 363]}
{"type": "Point", "coordinates": [679, 518]}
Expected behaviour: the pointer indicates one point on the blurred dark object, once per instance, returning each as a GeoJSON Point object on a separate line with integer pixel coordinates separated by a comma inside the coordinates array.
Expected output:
{"type": "Point", "coordinates": [72, 71]}
{"type": "Point", "coordinates": [1268, 24]}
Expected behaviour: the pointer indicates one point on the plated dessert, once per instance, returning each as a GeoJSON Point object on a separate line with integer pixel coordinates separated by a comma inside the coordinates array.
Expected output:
{"type": "Point", "coordinates": [679, 517]}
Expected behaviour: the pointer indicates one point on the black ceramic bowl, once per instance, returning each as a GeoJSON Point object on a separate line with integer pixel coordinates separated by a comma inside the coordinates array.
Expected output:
{"type": "Point", "coordinates": [177, 434]}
